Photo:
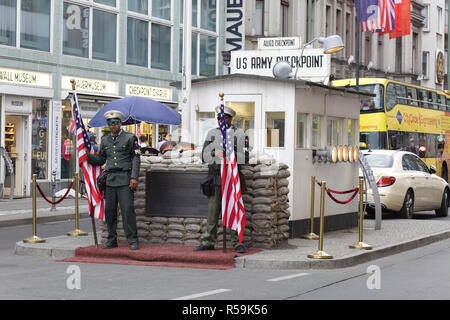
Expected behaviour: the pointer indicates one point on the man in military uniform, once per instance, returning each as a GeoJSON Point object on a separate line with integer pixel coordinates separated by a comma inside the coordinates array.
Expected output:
{"type": "Point", "coordinates": [120, 151]}
{"type": "Point", "coordinates": [213, 154]}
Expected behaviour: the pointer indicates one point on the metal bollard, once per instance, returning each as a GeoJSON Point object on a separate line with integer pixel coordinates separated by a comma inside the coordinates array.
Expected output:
{"type": "Point", "coordinates": [320, 254]}
{"type": "Point", "coordinates": [53, 190]}
{"type": "Point", "coordinates": [77, 232]}
{"type": "Point", "coordinates": [361, 244]}
{"type": "Point", "coordinates": [34, 238]}
{"type": "Point", "coordinates": [312, 235]}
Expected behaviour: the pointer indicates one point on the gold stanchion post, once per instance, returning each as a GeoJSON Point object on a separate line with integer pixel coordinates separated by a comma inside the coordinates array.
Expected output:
{"type": "Point", "coordinates": [312, 235]}
{"type": "Point", "coordinates": [361, 244]}
{"type": "Point", "coordinates": [34, 238]}
{"type": "Point", "coordinates": [77, 232]}
{"type": "Point", "coordinates": [321, 254]}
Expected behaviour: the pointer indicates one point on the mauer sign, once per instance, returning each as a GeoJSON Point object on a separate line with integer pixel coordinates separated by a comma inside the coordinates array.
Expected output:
{"type": "Point", "coordinates": [313, 66]}
{"type": "Point", "coordinates": [235, 27]}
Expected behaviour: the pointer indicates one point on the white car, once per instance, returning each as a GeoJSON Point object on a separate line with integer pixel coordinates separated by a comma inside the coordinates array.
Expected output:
{"type": "Point", "coordinates": [406, 184]}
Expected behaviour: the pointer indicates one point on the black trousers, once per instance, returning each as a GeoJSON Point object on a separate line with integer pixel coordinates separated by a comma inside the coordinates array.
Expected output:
{"type": "Point", "coordinates": [123, 196]}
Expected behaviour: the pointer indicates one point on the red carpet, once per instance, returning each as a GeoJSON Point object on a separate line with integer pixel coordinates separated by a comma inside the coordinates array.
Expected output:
{"type": "Point", "coordinates": [159, 255]}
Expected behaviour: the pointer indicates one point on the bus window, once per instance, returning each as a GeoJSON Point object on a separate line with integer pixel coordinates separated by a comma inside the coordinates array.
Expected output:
{"type": "Point", "coordinates": [412, 96]}
{"type": "Point", "coordinates": [423, 97]}
{"type": "Point", "coordinates": [372, 140]}
{"type": "Point", "coordinates": [401, 94]}
{"type": "Point", "coordinates": [390, 96]}
{"type": "Point", "coordinates": [442, 105]}
{"type": "Point", "coordinates": [448, 104]}
{"type": "Point", "coordinates": [432, 98]}
{"type": "Point", "coordinates": [374, 104]}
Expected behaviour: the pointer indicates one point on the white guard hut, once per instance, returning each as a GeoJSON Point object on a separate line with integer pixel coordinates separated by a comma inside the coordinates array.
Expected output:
{"type": "Point", "coordinates": [290, 120]}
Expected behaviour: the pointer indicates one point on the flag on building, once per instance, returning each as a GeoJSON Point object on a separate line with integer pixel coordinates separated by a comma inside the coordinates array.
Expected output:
{"type": "Point", "coordinates": [233, 211]}
{"type": "Point", "coordinates": [387, 12]}
{"type": "Point", "coordinates": [370, 15]}
{"type": "Point", "coordinates": [90, 172]}
{"type": "Point", "coordinates": [402, 19]}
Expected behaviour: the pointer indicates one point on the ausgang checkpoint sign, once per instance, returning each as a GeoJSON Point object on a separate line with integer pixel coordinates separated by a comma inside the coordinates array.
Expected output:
{"type": "Point", "coordinates": [314, 65]}
{"type": "Point", "coordinates": [290, 43]}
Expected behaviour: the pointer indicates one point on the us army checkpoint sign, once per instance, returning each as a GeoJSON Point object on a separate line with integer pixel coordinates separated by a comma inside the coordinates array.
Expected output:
{"type": "Point", "coordinates": [314, 65]}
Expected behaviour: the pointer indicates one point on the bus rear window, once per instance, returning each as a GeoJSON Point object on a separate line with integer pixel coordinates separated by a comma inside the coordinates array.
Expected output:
{"type": "Point", "coordinates": [373, 140]}
{"type": "Point", "coordinates": [375, 103]}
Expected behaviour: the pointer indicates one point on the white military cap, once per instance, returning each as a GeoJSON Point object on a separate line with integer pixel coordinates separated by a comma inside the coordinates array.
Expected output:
{"type": "Point", "coordinates": [114, 114]}
{"type": "Point", "coordinates": [227, 110]}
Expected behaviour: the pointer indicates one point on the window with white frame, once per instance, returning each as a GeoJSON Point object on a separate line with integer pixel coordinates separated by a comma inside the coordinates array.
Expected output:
{"type": "Point", "coordinates": [275, 124]}
{"type": "Point", "coordinates": [149, 33]}
{"type": "Point", "coordinates": [440, 25]}
{"type": "Point", "coordinates": [316, 131]}
{"type": "Point", "coordinates": [302, 124]}
{"type": "Point", "coordinates": [258, 19]}
{"type": "Point", "coordinates": [351, 132]}
{"type": "Point", "coordinates": [425, 64]}
{"type": "Point", "coordinates": [90, 29]}
{"type": "Point", "coordinates": [284, 17]}
{"type": "Point", "coordinates": [204, 37]}
{"type": "Point", "coordinates": [333, 132]}
{"type": "Point", "coordinates": [31, 30]}
{"type": "Point", "coordinates": [426, 20]}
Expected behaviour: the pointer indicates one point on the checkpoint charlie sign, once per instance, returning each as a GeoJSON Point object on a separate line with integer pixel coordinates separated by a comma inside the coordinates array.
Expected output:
{"type": "Point", "coordinates": [315, 65]}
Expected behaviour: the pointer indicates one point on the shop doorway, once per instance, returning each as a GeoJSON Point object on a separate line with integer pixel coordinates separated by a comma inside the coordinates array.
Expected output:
{"type": "Point", "coordinates": [16, 144]}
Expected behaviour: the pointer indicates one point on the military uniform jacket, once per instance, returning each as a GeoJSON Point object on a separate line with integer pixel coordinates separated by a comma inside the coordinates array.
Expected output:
{"type": "Point", "coordinates": [213, 142]}
{"type": "Point", "coordinates": [121, 156]}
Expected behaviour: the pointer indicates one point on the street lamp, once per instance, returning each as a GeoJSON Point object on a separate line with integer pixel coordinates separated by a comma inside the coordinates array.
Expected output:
{"type": "Point", "coordinates": [330, 45]}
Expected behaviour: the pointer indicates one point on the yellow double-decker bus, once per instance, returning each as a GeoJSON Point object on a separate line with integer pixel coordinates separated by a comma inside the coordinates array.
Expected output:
{"type": "Point", "coordinates": [402, 116]}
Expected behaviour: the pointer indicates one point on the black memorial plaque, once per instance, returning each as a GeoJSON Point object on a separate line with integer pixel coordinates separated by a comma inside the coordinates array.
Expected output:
{"type": "Point", "coordinates": [176, 194]}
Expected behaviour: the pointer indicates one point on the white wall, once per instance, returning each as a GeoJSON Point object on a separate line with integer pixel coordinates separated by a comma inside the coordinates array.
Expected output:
{"type": "Point", "coordinates": [279, 96]}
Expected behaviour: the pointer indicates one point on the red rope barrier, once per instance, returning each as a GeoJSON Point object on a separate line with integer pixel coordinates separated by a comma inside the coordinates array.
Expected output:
{"type": "Point", "coordinates": [55, 202]}
{"type": "Point", "coordinates": [330, 191]}
{"type": "Point", "coordinates": [343, 202]}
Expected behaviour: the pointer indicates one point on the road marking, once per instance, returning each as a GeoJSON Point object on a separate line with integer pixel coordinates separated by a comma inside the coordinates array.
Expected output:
{"type": "Point", "coordinates": [288, 277]}
{"type": "Point", "coordinates": [203, 294]}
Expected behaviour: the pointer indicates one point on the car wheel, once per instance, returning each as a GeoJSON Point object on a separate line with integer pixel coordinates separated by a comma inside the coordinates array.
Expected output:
{"type": "Point", "coordinates": [407, 210]}
{"type": "Point", "coordinates": [443, 210]}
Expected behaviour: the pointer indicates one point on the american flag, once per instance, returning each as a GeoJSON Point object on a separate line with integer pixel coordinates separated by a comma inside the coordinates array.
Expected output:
{"type": "Point", "coordinates": [370, 15]}
{"type": "Point", "coordinates": [233, 211]}
{"type": "Point", "coordinates": [377, 15]}
{"type": "Point", "coordinates": [90, 172]}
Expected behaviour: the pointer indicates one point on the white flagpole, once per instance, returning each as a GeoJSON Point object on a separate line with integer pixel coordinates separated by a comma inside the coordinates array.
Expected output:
{"type": "Point", "coordinates": [187, 72]}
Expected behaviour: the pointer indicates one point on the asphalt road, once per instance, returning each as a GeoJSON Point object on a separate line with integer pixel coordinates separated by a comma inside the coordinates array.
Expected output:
{"type": "Point", "coordinates": [417, 274]}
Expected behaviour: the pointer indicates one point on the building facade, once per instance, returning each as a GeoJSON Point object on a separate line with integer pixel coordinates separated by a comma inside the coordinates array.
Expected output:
{"type": "Point", "coordinates": [111, 48]}
{"type": "Point", "coordinates": [416, 58]}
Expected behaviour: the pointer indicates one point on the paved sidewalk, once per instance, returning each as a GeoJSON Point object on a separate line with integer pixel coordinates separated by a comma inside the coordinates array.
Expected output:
{"type": "Point", "coordinates": [396, 235]}
{"type": "Point", "coordinates": [20, 211]}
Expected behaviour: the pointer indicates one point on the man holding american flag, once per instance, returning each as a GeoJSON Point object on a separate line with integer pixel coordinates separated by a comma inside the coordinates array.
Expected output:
{"type": "Point", "coordinates": [225, 150]}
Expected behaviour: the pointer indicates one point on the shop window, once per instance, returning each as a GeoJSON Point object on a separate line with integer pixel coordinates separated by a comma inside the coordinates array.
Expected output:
{"type": "Point", "coordinates": [316, 131]}
{"type": "Point", "coordinates": [275, 124]}
{"type": "Point", "coordinates": [68, 140]}
{"type": "Point", "coordinates": [39, 144]}
{"type": "Point", "coordinates": [8, 9]}
{"type": "Point", "coordinates": [35, 25]}
{"type": "Point", "coordinates": [333, 132]}
{"type": "Point", "coordinates": [302, 119]}
{"type": "Point", "coordinates": [137, 42]}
